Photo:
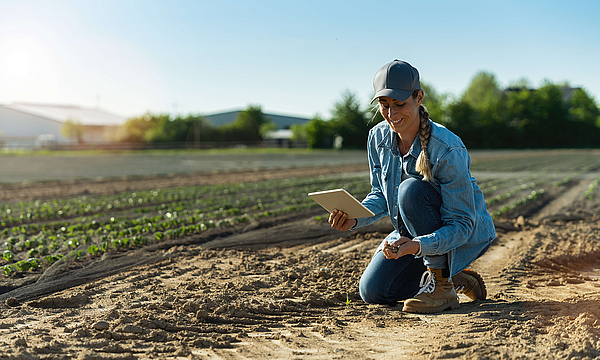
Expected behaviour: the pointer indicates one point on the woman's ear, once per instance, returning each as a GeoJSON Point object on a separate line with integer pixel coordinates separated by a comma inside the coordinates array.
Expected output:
{"type": "Point", "coordinates": [420, 97]}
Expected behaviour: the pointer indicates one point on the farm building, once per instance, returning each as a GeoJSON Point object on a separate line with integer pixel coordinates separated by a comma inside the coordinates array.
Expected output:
{"type": "Point", "coordinates": [282, 121]}
{"type": "Point", "coordinates": [279, 138]}
{"type": "Point", "coordinates": [24, 125]}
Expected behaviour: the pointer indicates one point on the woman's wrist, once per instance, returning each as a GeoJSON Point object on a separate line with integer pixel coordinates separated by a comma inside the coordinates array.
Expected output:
{"type": "Point", "coordinates": [419, 248]}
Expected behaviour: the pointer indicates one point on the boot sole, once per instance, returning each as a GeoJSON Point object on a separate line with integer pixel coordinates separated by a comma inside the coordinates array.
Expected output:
{"type": "Point", "coordinates": [480, 281]}
{"type": "Point", "coordinates": [452, 305]}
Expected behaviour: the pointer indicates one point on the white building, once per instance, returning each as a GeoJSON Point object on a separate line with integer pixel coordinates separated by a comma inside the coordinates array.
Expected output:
{"type": "Point", "coordinates": [24, 125]}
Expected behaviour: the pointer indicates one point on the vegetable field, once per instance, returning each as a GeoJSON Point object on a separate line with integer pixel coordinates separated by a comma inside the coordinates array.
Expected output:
{"type": "Point", "coordinates": [35, 234]}
{"type": "Point", "coordinates": [241, 264]}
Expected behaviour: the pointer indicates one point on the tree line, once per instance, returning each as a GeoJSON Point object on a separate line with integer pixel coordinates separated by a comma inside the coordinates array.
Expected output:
{"type": "Point", "coordinates": [250, 125]}
{"type": "Point", "coordinates": [484, 116]}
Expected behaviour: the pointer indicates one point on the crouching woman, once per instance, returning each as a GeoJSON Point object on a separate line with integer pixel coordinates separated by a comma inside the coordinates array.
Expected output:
{"type": "Point", "coordinates": [420, 178]}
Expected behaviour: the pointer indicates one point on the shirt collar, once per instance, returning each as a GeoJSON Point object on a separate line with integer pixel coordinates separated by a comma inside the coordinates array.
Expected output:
{"type": "Point", "coordinates": [391, 142]}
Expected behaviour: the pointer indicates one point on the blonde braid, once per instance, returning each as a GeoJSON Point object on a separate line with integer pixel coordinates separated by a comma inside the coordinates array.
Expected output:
{"type": "Point", "coordinates": [423, 163]}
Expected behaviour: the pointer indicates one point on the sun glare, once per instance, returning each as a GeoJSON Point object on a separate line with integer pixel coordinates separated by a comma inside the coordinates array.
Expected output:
{"type": "Point", "coordinates": [22, 60]}
{"type": "Point", "coordinates": [19, 64]}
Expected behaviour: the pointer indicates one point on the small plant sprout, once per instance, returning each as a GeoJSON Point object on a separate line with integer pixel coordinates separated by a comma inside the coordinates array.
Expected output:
{"type": "Point", "coordinates": [8, 255]}
{"type": "Point", "coordinates": [8, 270]}
{"type": "Point", "coordinates": [34, 264]}
{"type": "Point", "coordinates": [23, 265]}
{"type": "Point", "coordinates": [93, 250]}
{"type": "Point", "coordinates": [51, 259]}
{"type": "Point", "coordinates": [348, 301]}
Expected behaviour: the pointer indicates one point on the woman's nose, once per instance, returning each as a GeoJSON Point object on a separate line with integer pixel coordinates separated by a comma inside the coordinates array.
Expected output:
{"type": "Point", "coordinates": [391, 112]}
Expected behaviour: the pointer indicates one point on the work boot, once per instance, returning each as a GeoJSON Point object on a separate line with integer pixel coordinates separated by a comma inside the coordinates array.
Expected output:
{"type": "Point", "coordinates": [470, 283]}
{"type": "Point", "coordinates": [437, 294]}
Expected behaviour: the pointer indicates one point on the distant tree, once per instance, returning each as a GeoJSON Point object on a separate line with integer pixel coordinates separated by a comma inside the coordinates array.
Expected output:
{"type": "Point", "coordinates": [267, 128]}
{"type": "Point", "coordinates": [137, 129]}
{"type": "Point", "coordinates": [483, 92]}
{"type": "Point", "coordinates": [583, 108]}
{"type": "Point", "coordinates": [299, 132]}
{"type": "Point", "coordinates": [435, 103]}
{"type": "Point", "coordinates": [464, 122]}
{"type": "Point", "coordinates": [319, 133]}
{"type": "Point", "coordinates": [540, 117]}
{"type": "Point", "coordinates": [549, 123]}
{"type": "Point", "coordinates": [483, 95]}
{"type": "Point", "coordinates": [198, 128]}
{"type": "Point", "coordinates": [161, 128]}
{"type": "Point", "coordinates": [248, 126]}
{"type": "Point", "coordinates": [520, 84]}
{"type": "Point", "coordinates": [72, 129]}
{"type": "Point", "coordinates": [350, 122]}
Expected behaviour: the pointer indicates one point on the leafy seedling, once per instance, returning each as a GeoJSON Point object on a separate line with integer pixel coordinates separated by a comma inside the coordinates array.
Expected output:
{"type": "Point", "coordinates": [34, 264]}
{"type": "Point", "coordinates": [51, 259]}
{"type": "Point", "coordinates": [23, 265]}
{"type": "Point", "coordinates": [31, 253]}
{"type": "Point", "coordinates": [93, 250]}
{"type": "Point", "coordinates": [8, 255]}
{"type": "Point", "coordinates": [8, 270]}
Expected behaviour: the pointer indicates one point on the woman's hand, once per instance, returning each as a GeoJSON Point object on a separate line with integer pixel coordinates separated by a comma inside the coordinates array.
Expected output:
{"type": "Point", "coordinates": [405, 246]}
{"type": "Point", "coordinates": [339, 220]}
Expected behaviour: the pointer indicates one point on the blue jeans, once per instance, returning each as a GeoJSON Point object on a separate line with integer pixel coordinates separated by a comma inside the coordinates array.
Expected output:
{"type": "Point", "coordinates": [387, 281]}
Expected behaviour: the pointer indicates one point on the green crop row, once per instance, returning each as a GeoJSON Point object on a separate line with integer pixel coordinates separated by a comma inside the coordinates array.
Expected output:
{"type": "Point", "coordinates": [507, 195]}
{"type": "Point", "coordinates": [563, 162]}
{"type": "Point", "coordinates": [27, 212]}
{"type": "Point", "coordinates": [117, 227]}
{"type": "Point", "coordinates": [589, 193]}
{"type": "Point", "coordinates": [534, 195]}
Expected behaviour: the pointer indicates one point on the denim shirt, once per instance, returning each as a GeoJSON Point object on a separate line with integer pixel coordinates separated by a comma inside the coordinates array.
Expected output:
{"type": "Point", "coordinates": [467, 229]}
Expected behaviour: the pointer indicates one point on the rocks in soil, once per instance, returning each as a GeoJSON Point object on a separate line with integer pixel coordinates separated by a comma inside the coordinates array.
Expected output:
{"type": "Point", "coordinates": [12, 302]}
{"type": "Point", "coordinates": [101, 325]}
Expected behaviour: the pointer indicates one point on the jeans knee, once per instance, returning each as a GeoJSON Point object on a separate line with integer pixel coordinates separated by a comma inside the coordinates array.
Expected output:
{"type": "Point", "coordinates": [371, 291]}
{"type": "Point", "coordinates": [410, 194]}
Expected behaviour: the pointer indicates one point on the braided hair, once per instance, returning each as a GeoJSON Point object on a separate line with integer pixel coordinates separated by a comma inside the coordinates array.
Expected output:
{"type": "Point", "coordinates": [423, 163]}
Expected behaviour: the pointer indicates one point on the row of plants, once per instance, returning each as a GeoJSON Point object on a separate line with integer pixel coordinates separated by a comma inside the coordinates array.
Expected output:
{"type": "Point", "coordinates": [215, 195]}
{"type": "Point", "coordinates": [585, 169]}
{"type": "Point", "coordinates": [120, 229]}
{"type": "Point", "coordinates": [511, 193]}
{"type": "Point", "coordinates": [534, 195]}
{"type": "Point", "coordinates": [542, 162]}
{"type": "Point", "coordinates": [36, 234]}
{"type": "Point", "coordinates": [589, 193]}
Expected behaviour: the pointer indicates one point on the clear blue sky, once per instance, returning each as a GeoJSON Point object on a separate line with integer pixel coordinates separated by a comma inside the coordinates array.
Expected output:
{"type": "Point", "coordinates": [290, 57]}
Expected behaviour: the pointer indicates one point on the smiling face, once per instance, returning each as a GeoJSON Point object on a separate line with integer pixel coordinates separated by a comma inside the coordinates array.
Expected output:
{"type": "Point", "coordinates": [402, 116]}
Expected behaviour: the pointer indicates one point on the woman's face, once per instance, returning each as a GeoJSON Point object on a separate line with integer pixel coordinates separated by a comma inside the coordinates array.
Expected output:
{"type": "Point", "coordinates": [402, 116]}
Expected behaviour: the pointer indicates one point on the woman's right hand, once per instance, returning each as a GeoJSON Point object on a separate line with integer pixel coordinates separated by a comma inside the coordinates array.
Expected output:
{"type": "Point", "coordinates": [339, 220]}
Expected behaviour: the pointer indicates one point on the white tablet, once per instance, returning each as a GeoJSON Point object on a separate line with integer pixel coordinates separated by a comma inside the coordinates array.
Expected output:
{"type": "Point", "coordinates": [342, 200]}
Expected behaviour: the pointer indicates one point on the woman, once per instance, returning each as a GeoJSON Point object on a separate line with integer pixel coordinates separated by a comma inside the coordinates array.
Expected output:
{"type": "Point", "coordinates": [420, 177]}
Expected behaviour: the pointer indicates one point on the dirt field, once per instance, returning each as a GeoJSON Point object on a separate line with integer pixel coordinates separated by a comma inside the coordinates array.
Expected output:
{"type": "Point", "coordinates": [287, 288]}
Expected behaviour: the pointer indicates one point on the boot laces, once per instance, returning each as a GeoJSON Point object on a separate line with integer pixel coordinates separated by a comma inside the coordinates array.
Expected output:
{"type": "Point", "coordinates": [427, 283]}
{"type": "Point", "coordinates": [459, 288]}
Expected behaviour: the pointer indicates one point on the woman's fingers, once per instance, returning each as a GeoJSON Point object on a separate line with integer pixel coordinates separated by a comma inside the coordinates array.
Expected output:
{"type": "Point", "coordinates": [337, 219]}
{"type": "Point", "coordinates": [398, 248]}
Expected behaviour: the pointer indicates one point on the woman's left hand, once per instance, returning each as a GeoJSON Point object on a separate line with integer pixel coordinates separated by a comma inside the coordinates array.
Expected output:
{"type": "Point", "coordinates": [405, 246]}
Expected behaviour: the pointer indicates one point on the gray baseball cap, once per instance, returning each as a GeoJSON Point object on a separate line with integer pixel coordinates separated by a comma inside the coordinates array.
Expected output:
{"type": "Point", "coordinates": [397, 79]}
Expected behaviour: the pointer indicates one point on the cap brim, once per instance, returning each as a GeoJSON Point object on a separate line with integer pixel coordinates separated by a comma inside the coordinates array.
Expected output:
{"type": "Point", "coordinates": [400, 95]}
